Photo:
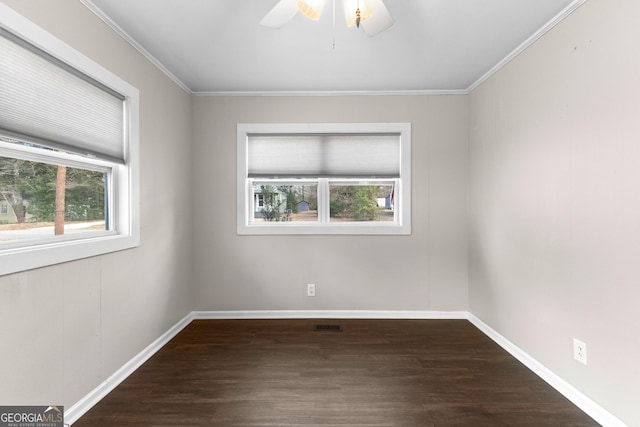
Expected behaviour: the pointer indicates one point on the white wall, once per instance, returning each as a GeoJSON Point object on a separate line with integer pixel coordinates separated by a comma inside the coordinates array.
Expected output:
{"type": "Point", "coordinates": [555, 201]}
{"type": "Point", "coordinates": [424, 271]}
{"type": "Point", "coordinates": [65, 329]}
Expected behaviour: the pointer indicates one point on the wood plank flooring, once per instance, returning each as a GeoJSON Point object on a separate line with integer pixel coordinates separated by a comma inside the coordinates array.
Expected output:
{"type": "Point", "coordinates": [373, 373]}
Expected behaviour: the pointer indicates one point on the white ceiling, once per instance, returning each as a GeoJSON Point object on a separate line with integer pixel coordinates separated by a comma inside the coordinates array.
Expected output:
{"type": "Point", "coordinates": [217, 46]}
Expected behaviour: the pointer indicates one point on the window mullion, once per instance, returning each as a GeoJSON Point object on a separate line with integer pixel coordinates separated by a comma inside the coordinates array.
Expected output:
{"type": "Point", "coordinates": [323, 200]}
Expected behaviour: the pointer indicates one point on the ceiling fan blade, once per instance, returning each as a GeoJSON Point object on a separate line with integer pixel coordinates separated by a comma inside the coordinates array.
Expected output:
{"type": "Point", "coordinates": [281, 14]}
{"type": "Point", "coordinates": [379, 20]}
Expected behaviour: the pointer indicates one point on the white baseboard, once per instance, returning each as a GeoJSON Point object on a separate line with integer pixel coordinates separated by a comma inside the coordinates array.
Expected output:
{"type": "Point", "coordinates": [591, 408]}
{"type": "Point", "coordinates": [595, 411]}
{"type": "Point", "coordinates": [329, 314]}
{"type": "Point", "coordinates": [72, 414]}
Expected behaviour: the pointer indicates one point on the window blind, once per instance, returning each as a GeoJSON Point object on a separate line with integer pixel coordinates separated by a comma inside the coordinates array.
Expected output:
{"type": "Point", "coordinates": [46, 102]}
{"type": "Point", "coordinates": [331, 155]}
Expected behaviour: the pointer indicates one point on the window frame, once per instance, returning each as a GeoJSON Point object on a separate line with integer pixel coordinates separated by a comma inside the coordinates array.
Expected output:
{"type": "Point", "coordinates": [401, 226]}
{"type": "Point", "coordinates": [124, 191]}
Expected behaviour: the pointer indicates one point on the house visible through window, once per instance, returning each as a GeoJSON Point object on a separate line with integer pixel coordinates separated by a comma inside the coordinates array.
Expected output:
{"type": "Point", "coordinates": [68, 152]}
{"type": "Point", "coordinates": [324, 179]}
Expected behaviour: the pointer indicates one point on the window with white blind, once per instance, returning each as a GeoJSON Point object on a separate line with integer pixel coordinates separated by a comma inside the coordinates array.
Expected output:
{"type": "Point", "coordinates": [341, 178]}
{"type": "Point", "coordinates": [68, 152]}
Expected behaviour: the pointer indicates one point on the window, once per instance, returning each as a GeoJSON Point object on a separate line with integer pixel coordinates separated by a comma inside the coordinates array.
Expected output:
{"type": "Point", "coordinates": [50, 196]}
{"type": "Point", "coordinates": [68, 152]}
{"type": "Point", "coordinates": [324, 178]}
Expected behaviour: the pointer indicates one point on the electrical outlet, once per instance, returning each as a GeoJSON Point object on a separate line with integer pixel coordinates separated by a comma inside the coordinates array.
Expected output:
{"type": "Point", "coordinates": [580, 351]}
{"type": "Point", "coordinates": [311, 290]}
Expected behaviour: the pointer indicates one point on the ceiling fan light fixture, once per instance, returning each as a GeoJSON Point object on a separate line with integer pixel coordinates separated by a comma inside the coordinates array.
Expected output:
{"type": "Point", "coordinates": [356, 11]}
{"type": "Point", "coordinates": [312, 9]}
{"type": "Point", "coordinates": [371, 15]}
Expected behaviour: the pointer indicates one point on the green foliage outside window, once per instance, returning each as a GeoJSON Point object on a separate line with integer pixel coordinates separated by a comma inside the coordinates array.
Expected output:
{"type": "Point", "coordinates": [357, 202]}
{"type": "Point", "coordinates": [291, 197]}
{"type": "Point", "coordinates": [30, 189]}
{"type": "Point", "coordinates": [271, 208]}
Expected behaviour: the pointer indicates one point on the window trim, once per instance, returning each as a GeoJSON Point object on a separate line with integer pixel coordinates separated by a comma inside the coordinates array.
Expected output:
{"type": "Point", "coordinates": [244, 190]}
{"type": "Point", "coordinates": [125, 177]}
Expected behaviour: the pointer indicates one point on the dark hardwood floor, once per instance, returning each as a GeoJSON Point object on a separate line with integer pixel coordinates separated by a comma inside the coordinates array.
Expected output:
{"type": "Point", "coordinates": [373, 373]}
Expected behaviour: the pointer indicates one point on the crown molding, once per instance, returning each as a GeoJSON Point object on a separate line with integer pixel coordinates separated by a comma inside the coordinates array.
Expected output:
{"type": "Point", "coordinates": [122, 33]}
{"type": "Point", "coordinates": [336, 93]}
{"type": "Point", "coordinates": [531, 40]}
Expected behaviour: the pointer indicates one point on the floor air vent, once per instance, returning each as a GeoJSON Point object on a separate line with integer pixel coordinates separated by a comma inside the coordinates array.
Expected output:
{"type": "Point", "coordinates": [329, 328]}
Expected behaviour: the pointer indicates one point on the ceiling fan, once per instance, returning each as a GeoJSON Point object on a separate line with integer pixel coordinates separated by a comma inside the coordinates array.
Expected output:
{"type": "Point", "coordinates": [371, 15]}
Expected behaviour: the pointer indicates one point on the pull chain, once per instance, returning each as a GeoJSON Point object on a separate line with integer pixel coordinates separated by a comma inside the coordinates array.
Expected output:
{"type": "Point", "coordinates": [334, 24]}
